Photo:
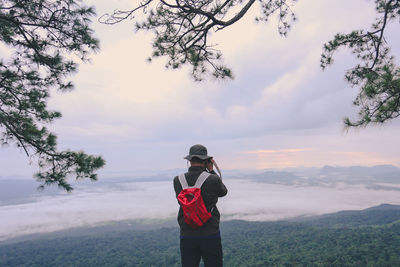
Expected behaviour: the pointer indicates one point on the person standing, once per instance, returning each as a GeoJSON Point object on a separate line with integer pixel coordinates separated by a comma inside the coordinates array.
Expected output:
{"type": "Point", "coordinates": [204, 241]}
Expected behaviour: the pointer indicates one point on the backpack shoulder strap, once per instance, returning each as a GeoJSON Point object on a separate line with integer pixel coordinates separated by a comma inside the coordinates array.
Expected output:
{"type": "Point", "coordinates": [201, 179]}
{"type": "Point", "coordinates": [182, 180]}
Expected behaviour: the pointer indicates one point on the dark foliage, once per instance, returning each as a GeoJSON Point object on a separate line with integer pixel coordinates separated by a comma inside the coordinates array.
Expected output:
{"type": "Point", "coordinates": [44, 37]}
{"type": "Point", "coordinates": [245, 244]}
{"type": "Point", "coordinates": [182, 29]}
{"type": "Point", "coordinates": [377, 75]}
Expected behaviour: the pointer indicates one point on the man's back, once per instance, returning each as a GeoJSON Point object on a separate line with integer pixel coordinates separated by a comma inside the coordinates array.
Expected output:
{"type": "Point", "coordinates": [211, 190]}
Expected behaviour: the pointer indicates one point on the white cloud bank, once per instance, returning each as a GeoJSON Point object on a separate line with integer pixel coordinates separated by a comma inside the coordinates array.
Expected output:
{"type": "Point", "coordinates": [155, 200]}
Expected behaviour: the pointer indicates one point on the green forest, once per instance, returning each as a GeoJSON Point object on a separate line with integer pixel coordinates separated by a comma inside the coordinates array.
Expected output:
{"type": "Point", "coordinates": [362, 238]}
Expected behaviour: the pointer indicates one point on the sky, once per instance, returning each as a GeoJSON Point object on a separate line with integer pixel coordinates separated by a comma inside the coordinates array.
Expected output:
{"type": "Point", "coordinates": [280, 111]}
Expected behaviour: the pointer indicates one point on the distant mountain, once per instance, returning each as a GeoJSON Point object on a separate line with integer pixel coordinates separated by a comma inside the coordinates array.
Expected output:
{"type": "Point", "coordinates": [18, 191]}
{"type": "Point", "coordinates": [379, 215]}
{"type": "Point", "coordinates": [384, 207]}
{"type": "Point", "coordinates": [361, 170]}
{"type": "Point", "coordinates": [275, 177]}
{"type": "Point", "coordinates": [385, 177]}
{"type": "Point", "coordinates": [361, 174]}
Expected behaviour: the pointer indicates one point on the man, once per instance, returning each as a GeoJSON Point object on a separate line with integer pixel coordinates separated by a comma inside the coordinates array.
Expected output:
{"type": "Point", "coordinates": [203, 242]}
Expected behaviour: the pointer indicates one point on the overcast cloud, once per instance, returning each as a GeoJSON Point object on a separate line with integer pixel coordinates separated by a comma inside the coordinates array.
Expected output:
{"type": "Point", "coordinates": [140, 116]}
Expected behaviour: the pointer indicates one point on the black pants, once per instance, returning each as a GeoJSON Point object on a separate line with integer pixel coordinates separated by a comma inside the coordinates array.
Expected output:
{"type": "Point", "coordinates": [192, 250]}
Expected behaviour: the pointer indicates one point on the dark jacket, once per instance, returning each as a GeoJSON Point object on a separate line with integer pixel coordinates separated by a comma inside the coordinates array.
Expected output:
{"type": "Point", "coordinates": [211, 190]}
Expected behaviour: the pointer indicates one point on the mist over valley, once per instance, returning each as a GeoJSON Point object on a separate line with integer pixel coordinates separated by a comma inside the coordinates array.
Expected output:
{"type": "Point", "coordinates": [262, 195]}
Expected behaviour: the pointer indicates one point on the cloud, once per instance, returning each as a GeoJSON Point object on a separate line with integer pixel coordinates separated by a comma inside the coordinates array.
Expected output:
{"type": "Point", "coordinates": [118, 201]}
{"type": "Point", "coordinates": [256, 201]}
{"type": "Point", "coordinates": [5, 51]}
{"type": "Point", "coordinates": [128, 97]}
{"type": "Point", "coordinates": [121, 93]}
{"type": "Point", "coordinates": [87, 207]}
{"type": "Point", "coordinates": [290, 150]}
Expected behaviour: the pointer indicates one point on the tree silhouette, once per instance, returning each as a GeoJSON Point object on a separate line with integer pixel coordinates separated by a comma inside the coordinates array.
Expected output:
{"type": "Point", "coordinates": [376, 74]}
{"type": "Point", "coordinates": [43, 36]}
{"type": "Point", "coordinates": [181, 29]}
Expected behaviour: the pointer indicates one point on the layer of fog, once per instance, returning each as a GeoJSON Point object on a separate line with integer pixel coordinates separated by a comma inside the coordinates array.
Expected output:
{"type": "Point", "coordinates": [138, 200]}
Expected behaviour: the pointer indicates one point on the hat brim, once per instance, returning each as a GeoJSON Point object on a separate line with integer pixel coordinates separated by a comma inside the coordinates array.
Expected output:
{"type": "Point", "coordinates": [203, 157]}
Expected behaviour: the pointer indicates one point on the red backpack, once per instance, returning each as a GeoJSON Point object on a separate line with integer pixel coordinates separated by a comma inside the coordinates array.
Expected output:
{"type": "Point", "coordinates": [191, 201]}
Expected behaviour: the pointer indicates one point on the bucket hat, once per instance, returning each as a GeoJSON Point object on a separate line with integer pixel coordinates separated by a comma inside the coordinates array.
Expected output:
{"type": "Point", "coordinates": [198, 151]}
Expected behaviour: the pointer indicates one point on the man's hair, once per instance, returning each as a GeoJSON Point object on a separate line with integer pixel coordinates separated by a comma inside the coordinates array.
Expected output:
{"type": "Point", "coordinates": [198, 160]}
